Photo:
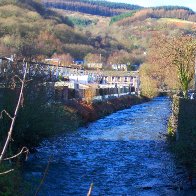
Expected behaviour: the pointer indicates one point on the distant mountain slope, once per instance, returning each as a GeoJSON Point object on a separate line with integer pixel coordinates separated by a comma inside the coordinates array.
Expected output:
{"type": "Point", "coordinates": [28, 29]}
{"type": "Point", "coordinates": [128, 33]}
{"type": "Point", "coordinates": [33, 5]}
{"type": "Point", "coordinates": [102, 8]}
{"type": "Point", "coordinates": [105, 8]}
{"type": "Point", "coordinates": [171, 7]}
{"type": "Point", "coordinates": [141, 15]}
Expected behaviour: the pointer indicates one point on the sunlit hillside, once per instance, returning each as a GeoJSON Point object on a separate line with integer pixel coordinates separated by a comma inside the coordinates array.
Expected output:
{"type": "Point", "coordinates": [28, 28]}
{"type": "Point", "coordinates": [134, 30]}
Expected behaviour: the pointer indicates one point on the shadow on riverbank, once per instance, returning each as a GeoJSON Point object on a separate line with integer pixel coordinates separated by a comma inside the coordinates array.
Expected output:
{"type": "Point", "coordinates": [182, 134]}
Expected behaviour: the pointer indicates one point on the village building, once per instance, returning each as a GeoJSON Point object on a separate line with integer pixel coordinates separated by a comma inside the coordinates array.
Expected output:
{"type": "Point", "coordinates": [122, 78]}
{"type": "Point", "coordinates": [95, 65]}
{"type": "Point", "coordinates": [119, 67]}
{"type": "Point", "coordinates": [53, 61]}
{"type": "Point", "coordinates": [73, 82]}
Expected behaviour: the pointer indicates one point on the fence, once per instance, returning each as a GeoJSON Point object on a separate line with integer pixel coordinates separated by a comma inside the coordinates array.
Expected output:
{"type": "Point", "coordinates": [64, 93]}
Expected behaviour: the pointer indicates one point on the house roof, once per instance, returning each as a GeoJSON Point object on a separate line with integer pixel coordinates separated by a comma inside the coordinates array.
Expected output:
{"type": "Point", "coordinates": [120, 73]}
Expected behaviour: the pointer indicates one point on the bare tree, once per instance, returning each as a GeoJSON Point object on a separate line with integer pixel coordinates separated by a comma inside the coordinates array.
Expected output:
{"type": "Point", "coordinates": [13, 119]}
{"type": "Point", "coordinates": [172, 59]}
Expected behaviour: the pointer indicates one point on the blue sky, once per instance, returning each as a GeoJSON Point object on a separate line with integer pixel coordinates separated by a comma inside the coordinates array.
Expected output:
{"type": "Point", "coordinates": [148, 3]}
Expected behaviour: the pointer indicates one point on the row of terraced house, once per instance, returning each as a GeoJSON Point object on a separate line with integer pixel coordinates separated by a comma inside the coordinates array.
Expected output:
{"type": "Point", "coordinates": [94, 83]}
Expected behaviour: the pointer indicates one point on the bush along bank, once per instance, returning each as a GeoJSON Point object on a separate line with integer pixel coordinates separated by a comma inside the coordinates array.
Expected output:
{"type": "Point", "coordinates": [182, 134]}
{"type": "Point", "coordinates": [88, 112]}
{"type": "Point", "coordinates": [36, 122]}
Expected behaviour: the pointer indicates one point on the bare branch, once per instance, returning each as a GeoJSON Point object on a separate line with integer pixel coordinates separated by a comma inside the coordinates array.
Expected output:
{"type": "Point", "coordinates": [16, 76]}
{"type": "Point", "coordinates": [22, 101]}
{"type": "Point", "coordinates": [4, 111]}
{"type": "Point", "coordinates": [6, 172]}
{"type": "Point", "coordinates": [24, 150]}
{"type": "Point", "coordinates": [90, 190]}
{"type": "Point", "coordinates": [28, 80]}
{"type": "Point", "coordinates": [44, 176]}
{"type": "Point", "coordinates": [9, 137]}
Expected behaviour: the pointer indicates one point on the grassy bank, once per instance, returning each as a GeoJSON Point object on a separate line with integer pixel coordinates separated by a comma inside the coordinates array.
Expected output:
{"type": "Point", "coordinates": [182, 132]}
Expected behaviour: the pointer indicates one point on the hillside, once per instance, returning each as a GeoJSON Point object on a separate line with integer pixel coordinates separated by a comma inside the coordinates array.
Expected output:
{"type": "Point", "coordinates": [133, 27]}
{"type": "Point", "coordinates": [27, 28]}
{"type": "Point", "coordinates": [105, 8]}
{"type": "Point", "coordinates": [100, 7]}
{"type": "Point", "coordinates": [132, 31]}
{"type": "Point", "coordinates": [160, 12]}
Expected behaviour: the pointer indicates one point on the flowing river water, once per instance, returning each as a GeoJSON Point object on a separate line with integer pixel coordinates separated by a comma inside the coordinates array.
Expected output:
{"type": "Point", "coordinates": [125, 153]}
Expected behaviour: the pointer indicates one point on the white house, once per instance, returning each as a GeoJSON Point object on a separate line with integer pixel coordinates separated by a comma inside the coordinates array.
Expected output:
{"type": "Point", "coordinates": [95, 65]}
{"type": "Point", "coordinates": [122, 67]}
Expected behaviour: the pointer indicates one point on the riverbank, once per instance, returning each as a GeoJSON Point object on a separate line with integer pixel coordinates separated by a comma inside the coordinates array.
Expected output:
{"type": "Point", "coordinates": [122, 154]}
{"type": "Point", "coordinates": [36, 123]}
{"type": "Point", "coordinates": [74, 114]}
{"type": "Point", "coordinates": [182, 134]}
{"type": "Point", "coordinates": [88, 112]}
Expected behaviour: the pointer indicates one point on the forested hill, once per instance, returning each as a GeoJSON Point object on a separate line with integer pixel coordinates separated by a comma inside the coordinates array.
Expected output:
{"type": "Point", "coordinates": [170, 8]}
{"type": "Point", "coordinates": [32, 6]}
{"type": "Point", "coordinates": [105, 8]}
{"type": "Point", "coordinates": [170, 12]}
{"type": "Point", "coordinates": [95, 7]}
{"type": "Point", "coordinates": [28, 29]}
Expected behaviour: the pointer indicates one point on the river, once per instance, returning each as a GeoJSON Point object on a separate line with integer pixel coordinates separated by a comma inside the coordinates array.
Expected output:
{"type": "Point", "coordinates": [125, 153]}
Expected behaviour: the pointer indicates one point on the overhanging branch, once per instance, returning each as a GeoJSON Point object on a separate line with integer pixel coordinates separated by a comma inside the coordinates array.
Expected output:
{"type": "Point", "coordinates": [9, 136]}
